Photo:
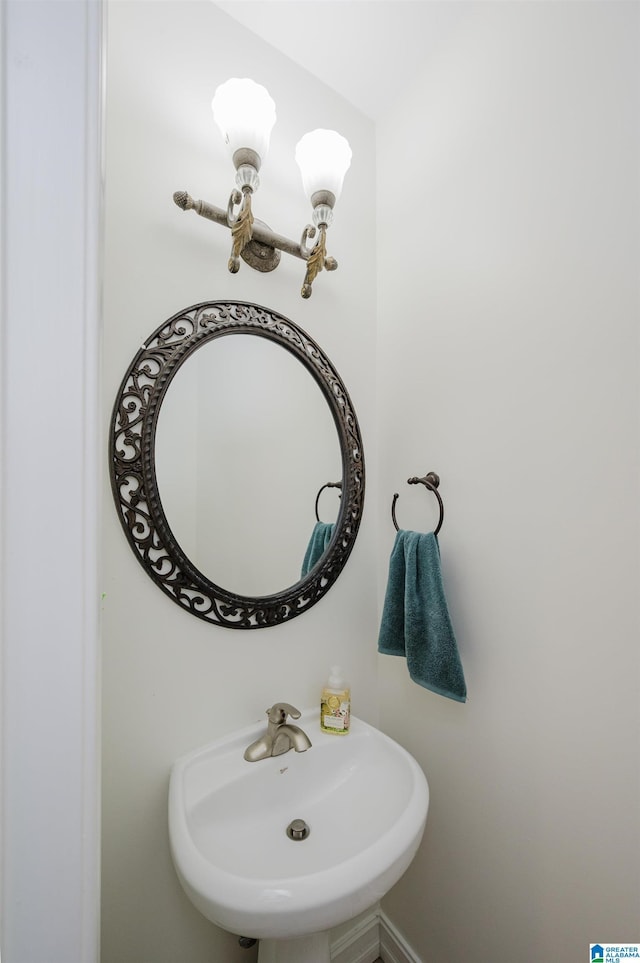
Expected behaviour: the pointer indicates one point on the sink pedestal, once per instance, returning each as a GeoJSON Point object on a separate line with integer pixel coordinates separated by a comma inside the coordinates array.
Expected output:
{"type": "Point", "coordinates": [305, 949]}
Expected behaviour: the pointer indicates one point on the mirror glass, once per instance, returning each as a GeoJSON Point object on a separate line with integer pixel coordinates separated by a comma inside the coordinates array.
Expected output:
{"type": "Point", "coordinates": [228, 426]}
{"type": "Point", "coordinates": [244, 441]}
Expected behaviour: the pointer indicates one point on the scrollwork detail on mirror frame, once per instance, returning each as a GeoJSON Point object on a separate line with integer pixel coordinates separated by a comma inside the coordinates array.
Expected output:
{"type": "Point", "coordinates": [133, 472]}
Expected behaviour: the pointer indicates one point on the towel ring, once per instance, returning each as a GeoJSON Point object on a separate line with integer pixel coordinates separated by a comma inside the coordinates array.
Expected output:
{"type": "Point", "coordinates": [337, 484]}
{"type": "Point", "coordinates": [430, 481]}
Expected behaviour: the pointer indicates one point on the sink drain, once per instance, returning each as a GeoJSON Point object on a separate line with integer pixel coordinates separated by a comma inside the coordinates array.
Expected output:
{"type": "Point", "coordinates": [298, 829]}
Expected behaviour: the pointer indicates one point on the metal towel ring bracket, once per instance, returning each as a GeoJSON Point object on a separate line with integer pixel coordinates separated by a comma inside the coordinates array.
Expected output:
{"type": "Point", "coordinates": [337, 484]}
{"type": "Point", "coordinates": [430, 481]}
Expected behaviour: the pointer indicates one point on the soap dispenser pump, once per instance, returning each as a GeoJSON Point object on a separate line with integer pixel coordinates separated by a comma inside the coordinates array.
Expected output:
{"type": "Point", "coordinates": [335, 704]}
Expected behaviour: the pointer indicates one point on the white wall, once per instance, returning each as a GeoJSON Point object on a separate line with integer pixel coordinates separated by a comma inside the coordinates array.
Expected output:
{"type": "Point", "coordinates": [171, 681]}
{"type": "Point", "coordinates": [508, 347]}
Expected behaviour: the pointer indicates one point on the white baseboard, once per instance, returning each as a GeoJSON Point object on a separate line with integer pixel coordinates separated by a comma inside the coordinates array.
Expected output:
{"type": "Point", "coordinates": [373, 937]}
{"type": "Point", "coordinates": [393, 946]}
{"type": "Point", "coordinates": [361, 944]}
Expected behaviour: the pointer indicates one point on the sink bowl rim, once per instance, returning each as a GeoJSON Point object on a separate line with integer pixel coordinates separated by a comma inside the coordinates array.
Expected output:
{"type": "Point", "coordinates": [287, 906]}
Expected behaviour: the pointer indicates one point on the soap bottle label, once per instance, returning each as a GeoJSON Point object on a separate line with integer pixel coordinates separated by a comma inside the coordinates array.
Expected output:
{"type": "Point", "coordinates": [334, 713]}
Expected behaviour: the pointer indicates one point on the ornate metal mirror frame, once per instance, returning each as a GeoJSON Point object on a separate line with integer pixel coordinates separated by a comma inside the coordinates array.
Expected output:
{"type": "Point", "coordinates": [133, 471]}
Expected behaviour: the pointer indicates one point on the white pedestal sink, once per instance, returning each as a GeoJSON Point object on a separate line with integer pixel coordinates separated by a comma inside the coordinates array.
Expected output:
{"type": "Point", "coordinates": [364, 799]}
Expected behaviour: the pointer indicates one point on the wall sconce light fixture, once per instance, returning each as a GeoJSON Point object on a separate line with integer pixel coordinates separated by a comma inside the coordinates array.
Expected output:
{"type": "Point", "coordinates": [245, 114]}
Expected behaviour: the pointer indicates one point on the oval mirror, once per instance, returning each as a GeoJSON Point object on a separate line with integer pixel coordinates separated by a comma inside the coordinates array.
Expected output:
{"type": "Point", "coordinates": [218, 480]}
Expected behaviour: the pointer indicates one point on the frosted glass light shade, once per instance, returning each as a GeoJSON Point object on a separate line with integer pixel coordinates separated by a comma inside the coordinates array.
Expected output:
{"type": "Point", "coordinates": [245, 114]}
{"type": "Point", "coordinates": [323, 157]}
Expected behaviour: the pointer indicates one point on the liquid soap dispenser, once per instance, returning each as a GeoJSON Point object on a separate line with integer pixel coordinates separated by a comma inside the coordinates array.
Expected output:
{"type": "Point", "coordinates": [335, 704]}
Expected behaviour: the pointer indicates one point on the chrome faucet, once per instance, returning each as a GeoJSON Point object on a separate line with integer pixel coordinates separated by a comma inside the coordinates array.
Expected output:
{"type": "Point", "coordinates": [280, 735]}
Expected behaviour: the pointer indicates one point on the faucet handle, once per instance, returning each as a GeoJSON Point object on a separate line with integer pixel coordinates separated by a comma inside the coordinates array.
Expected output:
{"type": "Point", "coordinates": [280, 710]}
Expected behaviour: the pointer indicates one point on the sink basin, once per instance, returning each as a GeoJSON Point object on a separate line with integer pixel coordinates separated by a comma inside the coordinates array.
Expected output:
{"type": "Point", "coordinates": [362, 796]}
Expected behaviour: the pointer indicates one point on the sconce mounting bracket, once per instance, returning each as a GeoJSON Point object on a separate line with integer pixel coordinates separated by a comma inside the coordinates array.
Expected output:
{"type": "Point", "coordinates": [258, 254]}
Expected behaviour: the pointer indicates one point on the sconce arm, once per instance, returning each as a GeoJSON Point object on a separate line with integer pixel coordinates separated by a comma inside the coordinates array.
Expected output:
{"type": "Point", "coordinates": [261, 232]}
{"type": "Point", "coordinates": [241, 225]}
{"type": "Point", "coordinates": [317, 258]}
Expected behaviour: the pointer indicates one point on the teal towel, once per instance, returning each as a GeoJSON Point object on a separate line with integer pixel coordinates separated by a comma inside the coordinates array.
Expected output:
{"type": "Point", "coordinates": [415, 619]}
{"type": "Point", "coordinates": [318, 543]}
